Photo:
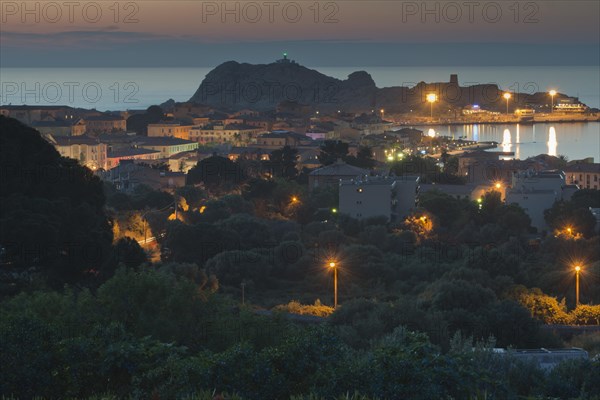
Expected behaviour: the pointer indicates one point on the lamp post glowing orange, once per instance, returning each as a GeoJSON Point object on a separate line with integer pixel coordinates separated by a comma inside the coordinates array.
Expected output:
{"type": "Point", "coordinates": [431, 98]}
{"type": "Point", "coordinates": [552, 93]}
{"type": "Point", "coordinates": [333, 266]}
{"type": "Point", "coordinates": [577, 270]}
{"type": "Point", "coordinates": [507, 96]}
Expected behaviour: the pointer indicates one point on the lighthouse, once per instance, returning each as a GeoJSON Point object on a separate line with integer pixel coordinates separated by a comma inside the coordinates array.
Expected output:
{"type": "Point", "coordinates": [285, 59]}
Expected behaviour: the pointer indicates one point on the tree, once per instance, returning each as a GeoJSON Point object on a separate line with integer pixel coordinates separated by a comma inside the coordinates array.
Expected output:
{"type": "Point", "coordinates": [573, 215]}
{"type": "Point", "coordinates": [282, 163]}
{"type": "Point", "coordinates": [252, 231]}
{"type": "Point", "coordinates": [364, 158]}
{"type": "Point", "coordinates": [449, 211]}
{"type": "Point", "coordinates": [51, 208]}
{"type": "Point", "coordinates": [332, 150]}
{"type": "Point", "coordinates": [138, 123]}
{"type": "Point", "coordinates": [215, 171]}
{"type": "Point", "coordinates": [234, 267]}
{"type": "Point", "coordinates": [197, 243]}
{"type": "Point", "coordinates": [128, 252]}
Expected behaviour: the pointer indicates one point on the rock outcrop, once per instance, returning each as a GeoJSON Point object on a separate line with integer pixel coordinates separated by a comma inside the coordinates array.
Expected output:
{"type": "Point", "coordinates": [233, 86]}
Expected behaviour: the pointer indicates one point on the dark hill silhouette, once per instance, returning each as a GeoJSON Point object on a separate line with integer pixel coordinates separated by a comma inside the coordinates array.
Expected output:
{"type": "Point", "coordinates": [233, 86]}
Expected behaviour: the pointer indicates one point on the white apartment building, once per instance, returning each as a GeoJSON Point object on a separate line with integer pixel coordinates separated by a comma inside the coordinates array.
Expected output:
{"type": "Point", "coordinates": [536, 192]}
{"type": "Point", "coordinates": [391, 197]}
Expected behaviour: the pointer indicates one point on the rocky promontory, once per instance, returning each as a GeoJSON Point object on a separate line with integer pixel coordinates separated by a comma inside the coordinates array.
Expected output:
{"type": "Point", "coordinates": [234, 86]}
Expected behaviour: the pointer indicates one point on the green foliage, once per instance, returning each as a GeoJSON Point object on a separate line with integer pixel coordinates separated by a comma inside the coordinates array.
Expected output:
{"type": "Point", "coordinates": [51, 208]}
{"type": "Point", "coordinates": [282, 162]}
{"type": "Point", "coordinates": [333, 150]}
{"type": "Point", "coordinates": [573, 214]}
{"type": "Point", "coordinates": [550, 311]}
{"type": "Point", "coordinates": [197, 243]}
{"type": "Point", "coordinates": [234, 267]}
{"type": "Point", "coordinates": [128, 252]}
{"type": "Point", "coordinates": [364, 158]}
{"type": "Point", "coordinates": [295, 307]}
{"type": "Point", "coordinates": [216, 171]}
{"type": "Point", "coordinates": [139, 122]}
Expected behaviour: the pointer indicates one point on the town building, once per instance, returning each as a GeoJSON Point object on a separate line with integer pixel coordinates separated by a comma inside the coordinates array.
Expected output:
{"type": "Point", "coordinates": [219, 134]}
{"type": "Point", "coordinates": [569, 105]}
{"type": "Point", "coordinates": [390, 197]}
{"type": "Point", "coordinates": [280, 138]}
{"type": "Point", "coordinates": [31, 114]}
{"type": "Point", "coordinates": [370, 124]}
{"type": "Point", "coordinates": [114, 158]}
{"type": "Point", "coordinates": [168, 146]}
{"type": "Point", "coordinates": [189, 110]}
{"type": "Point", "coordinates": [88, 151]}
{"type": "Point", "coordinates": [170, 129]}
{"type": "Point", "coordinates": [105, 124]}
{"type": "Point", "coordinates": [128, 175]}
{"type": "Point", "coordinates": [536, 192]}
{"type": "Point", "coordinates": [62, 127]}
{"type": "Point", "coordinates": [331, 175]}
{"type": "Point", "coordinates": [486, 167]}
{"type": "Point", "coordinates": [183, 162]}
{"type": "Point", "coordinates": [584, 175]}
{"type": "Point", "coordinates": [545, 359]}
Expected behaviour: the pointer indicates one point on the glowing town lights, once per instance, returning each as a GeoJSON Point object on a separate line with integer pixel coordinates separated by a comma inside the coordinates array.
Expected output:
{"type": "Point", "coordinates": [431, 98]}
{"type": "Point", "coordinates": [334, 210]}
{"type": "Point", "coordinates": [552, 93]}
{"type": "Point", "coordinates": [333, 266]}
{"type": "Point", "coordinates": [577, 271]}
{"type": "Point", "coordinates": [431, 132]}
{"type": "Point", "coordinates": [498, 185]}
{"type": "Point", "coordinates": [507, 96]}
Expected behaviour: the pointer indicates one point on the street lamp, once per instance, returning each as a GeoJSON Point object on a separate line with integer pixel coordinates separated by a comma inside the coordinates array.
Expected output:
{"type": "Point", "coordinates": [431, 98]}
{"type": "Point", "coordinates": [552, 93]}
{"type": "Point", "coordinates": [382, 114]}
{"type": "Point", "coordinates": [333, 266]}
{"type": "Point", "coordinates": [507, 96]}
{"type": "Point", "coordinates": [577, 270]}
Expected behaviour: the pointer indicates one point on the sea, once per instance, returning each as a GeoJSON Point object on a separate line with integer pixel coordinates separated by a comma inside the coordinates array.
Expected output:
{"type": "Point", "coordinates": [138, 88]}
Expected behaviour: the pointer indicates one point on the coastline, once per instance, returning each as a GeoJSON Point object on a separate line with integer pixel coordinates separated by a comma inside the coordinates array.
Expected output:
{"type": "Point", "coordinates": [496, 121]}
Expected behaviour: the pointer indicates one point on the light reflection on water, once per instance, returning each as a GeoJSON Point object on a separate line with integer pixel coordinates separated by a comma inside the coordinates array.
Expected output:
{"type": "Point", "coordinates": [552, 143]}
{"type": "Point", "coordinates": [506, 141]}
{"type": "Point", "coordinates": [574, 140]}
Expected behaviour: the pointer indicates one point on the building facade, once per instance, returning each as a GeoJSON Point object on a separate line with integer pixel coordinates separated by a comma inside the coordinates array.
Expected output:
{"type": "Point", "coordinates": [88, 151]}
{"type": "Point", "coordinates": [584, 175]}
{"type": "Point", "coordinates": [167, 129]}
{"type": "Point", "coordinates": [105, 124]}
{"type": "Point", "coordinates": [390, 197]}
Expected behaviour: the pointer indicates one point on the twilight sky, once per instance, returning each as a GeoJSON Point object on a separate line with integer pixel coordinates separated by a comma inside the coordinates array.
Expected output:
{"type": "Point", "coordinates": [327, 33]}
